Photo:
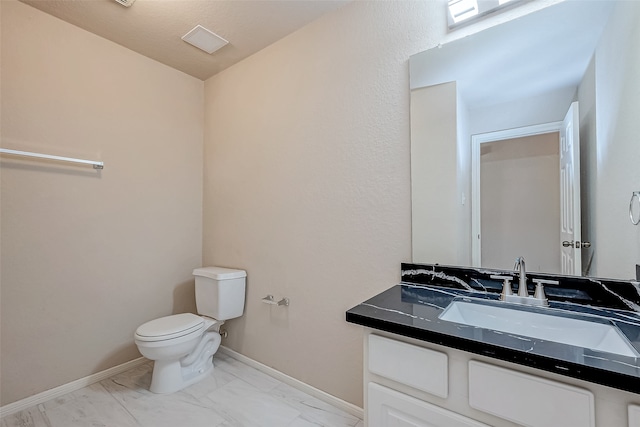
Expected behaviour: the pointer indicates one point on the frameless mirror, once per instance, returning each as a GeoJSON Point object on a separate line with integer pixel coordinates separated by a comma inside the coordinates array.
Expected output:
{"type": "Point", "coordinates": [490, 117]}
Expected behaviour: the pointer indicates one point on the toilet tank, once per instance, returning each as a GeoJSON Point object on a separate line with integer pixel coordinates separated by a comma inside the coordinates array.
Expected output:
{"type": "Point", "coordinates": [220, 292]}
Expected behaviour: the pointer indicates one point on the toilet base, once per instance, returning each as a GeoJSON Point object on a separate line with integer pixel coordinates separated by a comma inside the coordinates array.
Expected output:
{"type": "Point", "coordinates": [170, 376]}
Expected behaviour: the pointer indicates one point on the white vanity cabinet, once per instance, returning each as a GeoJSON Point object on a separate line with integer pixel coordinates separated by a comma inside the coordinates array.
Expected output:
{"type": "Point", "coordinates": [400, 375]}
{"type": "Point", "coordinates": [420, 368]}
{"type": "Point", "coordinates": [412, 383]}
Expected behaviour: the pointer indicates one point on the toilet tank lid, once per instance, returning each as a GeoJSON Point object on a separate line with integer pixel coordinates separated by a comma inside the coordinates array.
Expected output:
{"type": "Point", "coordinates": [219, 273]}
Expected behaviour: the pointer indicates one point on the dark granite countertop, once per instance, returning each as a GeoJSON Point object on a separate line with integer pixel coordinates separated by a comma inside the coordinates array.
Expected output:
{"type": "Point", "coordinates": [412, 310]}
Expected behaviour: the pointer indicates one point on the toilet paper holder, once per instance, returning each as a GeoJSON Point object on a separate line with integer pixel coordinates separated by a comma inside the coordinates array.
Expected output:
{"type": "Point", "coordinates": [270, 300]}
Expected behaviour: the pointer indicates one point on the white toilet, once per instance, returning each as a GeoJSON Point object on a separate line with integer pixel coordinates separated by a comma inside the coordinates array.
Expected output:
{"type": "Point", "coordinates": [182, 346]}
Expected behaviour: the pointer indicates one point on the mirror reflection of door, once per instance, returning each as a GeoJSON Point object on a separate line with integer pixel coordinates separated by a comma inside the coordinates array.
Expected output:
{"type": "Point", "coordinates": [527, 188]}
{"type": "Point", "coordinates": [570, 220]}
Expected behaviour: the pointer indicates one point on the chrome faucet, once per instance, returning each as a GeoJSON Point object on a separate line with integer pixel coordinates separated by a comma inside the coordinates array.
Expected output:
{"type": "Point", "coordinates": [538, 299]}
{"type": "Point", "coordinates": [519, 267]}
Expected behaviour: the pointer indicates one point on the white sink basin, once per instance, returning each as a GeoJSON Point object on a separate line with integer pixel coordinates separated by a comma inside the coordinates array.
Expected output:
{"type": "Point", "coordinates": [579, 330]}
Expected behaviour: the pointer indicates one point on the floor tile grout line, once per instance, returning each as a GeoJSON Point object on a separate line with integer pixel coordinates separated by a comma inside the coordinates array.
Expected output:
{"type": "Point", "coordinates": [137, 421]}
{"type": "Point", "coordinates": [43, 412]}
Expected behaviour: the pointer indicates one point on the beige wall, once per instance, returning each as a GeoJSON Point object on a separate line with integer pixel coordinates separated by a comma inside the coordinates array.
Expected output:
{"type": "Point", "coordinates": [434, 175]}
{"type": "Point", "coordinates": [463, 178]}
{"type": "Point", "coordinates": [306, 186]}
{"type": "Point", "coordinates": [586, 96]}
{"type": "Point", "coordinates": [88, 256]}
{"type": "Point", "coordinates": [307, 183]}
{"type": "Point", "coordinates": [520, 188]}
{"type": "Point", "coordinates": [617, 66]}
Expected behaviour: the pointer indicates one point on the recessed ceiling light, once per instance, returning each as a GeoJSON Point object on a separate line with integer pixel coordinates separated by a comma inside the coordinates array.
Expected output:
{"type": "Point", "coordinates": [462, 9]}
{"type": "Point", "coordinates": [204, 39]}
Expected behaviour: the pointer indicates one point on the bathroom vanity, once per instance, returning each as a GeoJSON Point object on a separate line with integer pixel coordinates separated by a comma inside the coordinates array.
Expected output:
{"type": "Point", "coordinates": [420, 369]}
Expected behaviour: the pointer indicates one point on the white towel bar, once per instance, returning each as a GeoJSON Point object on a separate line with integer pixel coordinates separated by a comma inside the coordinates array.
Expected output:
{"type": "Point", "coordinates": [96, 165]}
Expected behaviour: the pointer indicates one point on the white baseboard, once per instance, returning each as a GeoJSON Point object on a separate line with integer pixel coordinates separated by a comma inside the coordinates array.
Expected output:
{"type": "Point", "coordinates": [39, 398]}
{"type": "Point", "coordinates": [319, 394]}
{"type": "Point", "coordinates": [36, 399]}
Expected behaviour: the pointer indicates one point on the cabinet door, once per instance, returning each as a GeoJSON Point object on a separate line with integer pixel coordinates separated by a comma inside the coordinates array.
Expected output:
{"type": "Point", "coordinates": [528, 400]}
{"type": "Point", "coordinates": [389, 408]}
{"type": "Point", "coordinates": [634, 416]}
{"type": "Point", "coordinates": [421, 368]}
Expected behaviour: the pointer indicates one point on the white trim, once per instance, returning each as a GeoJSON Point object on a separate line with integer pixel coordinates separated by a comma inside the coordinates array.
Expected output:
{"type": "Point", "coordinates": [53, 393]}
{"type": "Point", "coordinates": [304, 387]}
{"type": "Point", "coordinates": [476, 141]}
{"type": "Point", "coordinates": [39, 398]}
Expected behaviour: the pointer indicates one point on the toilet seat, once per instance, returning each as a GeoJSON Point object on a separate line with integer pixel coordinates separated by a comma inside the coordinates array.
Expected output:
{"type": "Point", "coordinates": [170, 328]}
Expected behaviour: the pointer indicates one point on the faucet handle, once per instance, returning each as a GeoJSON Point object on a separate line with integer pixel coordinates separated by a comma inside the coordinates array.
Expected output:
{"type": "Point", "coordinates": [546, 281]}
{"type": "Point", "coordinates": [506, 285]}
{"type": "Point", "coordinates": [540, 295]}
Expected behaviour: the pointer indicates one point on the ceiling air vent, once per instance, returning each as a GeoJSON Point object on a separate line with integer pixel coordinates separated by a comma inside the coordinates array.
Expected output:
{"type": "Point", "coordinates": [125, 3]}
{"type": "Point", "coordinates": [204, 39]}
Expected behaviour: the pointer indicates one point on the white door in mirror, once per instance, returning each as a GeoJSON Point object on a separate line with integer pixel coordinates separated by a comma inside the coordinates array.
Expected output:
{"type": "Point", "coordinates": [570, 221]}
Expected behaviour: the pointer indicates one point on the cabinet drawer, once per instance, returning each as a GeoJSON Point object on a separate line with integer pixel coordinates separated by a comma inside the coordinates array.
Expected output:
{"type": "Point", "coordinates": [414, 366]}
{"type": "Point", "coordinates": [389, 408]}
{"type": "Point", "coordinates": [528, 400]}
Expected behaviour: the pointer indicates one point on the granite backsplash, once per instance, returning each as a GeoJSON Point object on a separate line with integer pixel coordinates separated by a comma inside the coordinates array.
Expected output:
{"type": "Point", "coordinates": [597, 292]}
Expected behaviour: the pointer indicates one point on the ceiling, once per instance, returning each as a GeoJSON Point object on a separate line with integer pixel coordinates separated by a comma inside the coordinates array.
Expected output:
{"type": "Point", "coordinates": [506, 63]}
{"type": "Point", "coordinates": [154, 28]}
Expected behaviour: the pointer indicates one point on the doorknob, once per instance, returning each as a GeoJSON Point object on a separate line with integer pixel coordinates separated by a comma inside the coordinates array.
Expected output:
{"type": "Point", "coordinates": [577, 244]}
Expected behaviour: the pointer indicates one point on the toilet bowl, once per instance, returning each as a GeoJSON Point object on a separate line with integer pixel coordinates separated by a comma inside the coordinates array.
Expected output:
{"type": "Point", "coordinates": [182, 348]}
{"type": "Point", "coordinates": [182, 345]}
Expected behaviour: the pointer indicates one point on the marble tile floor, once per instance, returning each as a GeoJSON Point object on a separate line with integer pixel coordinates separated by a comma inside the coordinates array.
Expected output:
{"type": "Point", "coordinates": [235, 395]}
